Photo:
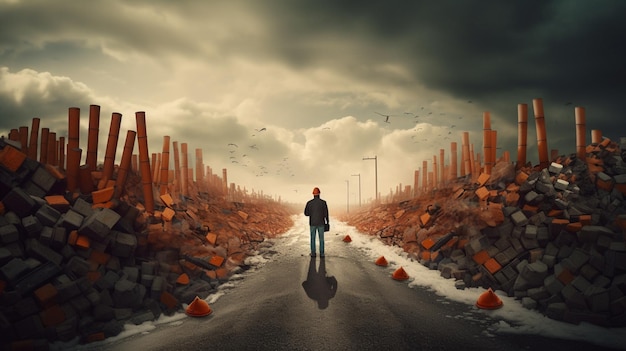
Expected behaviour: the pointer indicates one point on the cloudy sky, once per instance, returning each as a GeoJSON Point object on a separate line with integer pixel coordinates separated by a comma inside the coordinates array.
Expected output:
{"type": "Point", "coordinates": [302, 88]}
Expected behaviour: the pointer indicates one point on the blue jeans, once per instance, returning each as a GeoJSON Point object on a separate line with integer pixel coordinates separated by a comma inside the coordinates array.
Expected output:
{"type": "Point", "coordinates": [320, 232]}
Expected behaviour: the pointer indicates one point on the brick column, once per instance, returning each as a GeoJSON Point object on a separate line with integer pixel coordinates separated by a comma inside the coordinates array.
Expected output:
{"type": "Point", "coordinates": [522, 134]}
{"type": "Point", "coordinates": [581, 133]}
{"type": "Point", "coordinates": [109, 156]}
{"type": "Point", "coordinates": [92, 138]}
{"type": "Point", "coordinates": [540, 125]}
{"type": "Point", "coordinates": [144, 160]}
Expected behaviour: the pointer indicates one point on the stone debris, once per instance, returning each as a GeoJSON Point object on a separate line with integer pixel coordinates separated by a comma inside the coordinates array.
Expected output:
{"type": "Point", "coordinates": [552, 237]}
{"type": "Point", "coordinates": [72, 268]}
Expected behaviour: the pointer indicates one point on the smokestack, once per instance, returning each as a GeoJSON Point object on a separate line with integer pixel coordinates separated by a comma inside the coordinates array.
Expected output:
{"type": "Point", "coordinates": [581, 141]}
{"type": "Point", "coordinates": [466, 153]}
{"type": "Point", "coordinates": [522, 134]}
{"type": "Point", "coordinates": [23, 136]}
{"type": "Point", "coordinates": [540, 123]}
{"type": "Point", "coordinates": [92, 140]}
{"type": "Point", "coordinates": [74, 153]}
{"type": "Point", "coordinates": [32, 143]}
{"type": "Point", "coordinates": [199, 170]}
{"type": "Point", "coordinates": [487, 141]}
{"type": "Point", "coordinates": [184, 181]}
{"type": "Point", "coordinates": [122, 173]}
{"type": "Point", "coordinates": [435, 172]}
{"type": "Point", "coordinates": [177, 167]}
{"type": "Point", "coordinates": [43, 147]}
{"type": "Point", "coordinates": [109, 156]}
{"type": "Point", "coordinates": [165, 164]}
{"type": "Point", "coordinates": [596, 136]}
{"type": "Point", "coordinates": [424, 175]}
{"type": "Point", "coordinates": [52, 148]}
{"type": "Point", "coordinates": [453, 161]}
{"type": "Point", "coordinates": [442, 166]}
{"type": "Point", "coordinates": [144, 160]}
{"type": "Point", "coordinates": [62, 153]}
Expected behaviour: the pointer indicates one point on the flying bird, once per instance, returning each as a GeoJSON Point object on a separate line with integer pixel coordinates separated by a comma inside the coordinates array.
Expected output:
{"type": "Point", "coordinates": [231, 144]}
{"type": "Point", "coordinates": [260, 130]}
{"type": "Point", "coordinates": [386, 117]}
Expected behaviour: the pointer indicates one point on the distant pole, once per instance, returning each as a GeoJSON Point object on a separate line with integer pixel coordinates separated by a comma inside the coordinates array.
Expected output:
{"type": "Point", "coordinates": [359, 175]}
{"type": "Point", "coordinates": [348, 196]}
{"type": "Point", "coordinates": [375, 158]}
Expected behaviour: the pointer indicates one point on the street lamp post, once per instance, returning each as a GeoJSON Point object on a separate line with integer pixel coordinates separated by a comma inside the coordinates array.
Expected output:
{"type": "Point", "coordinates": [348, 196]}
{"type": "Point", "coordinates": [359, 175]}
{"type": "Point", "coordinates": [375, 158]}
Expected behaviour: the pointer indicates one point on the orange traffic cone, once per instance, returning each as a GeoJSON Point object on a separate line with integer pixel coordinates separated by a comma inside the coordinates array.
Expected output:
{"type": "Point", "coordinates": [381, 261]}
{"type": "Point", "coordinates": [400, 274]}
{"type": "Point", "coordinates": [489, 300]}
{"type": "Point", "coordinates": [198, 308]}
{"type": "Point", "coordinates": [347, 239]}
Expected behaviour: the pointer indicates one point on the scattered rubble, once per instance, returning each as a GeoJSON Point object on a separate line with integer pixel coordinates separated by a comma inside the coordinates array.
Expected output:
{"type": "Point", "coordinates": [553, 237]}
{"type": "Point", "coordinates": [81, 265]}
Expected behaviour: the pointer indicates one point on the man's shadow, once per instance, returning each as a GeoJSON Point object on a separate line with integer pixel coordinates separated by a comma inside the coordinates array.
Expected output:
{"type": "Point", "coordinates": [318, 286]}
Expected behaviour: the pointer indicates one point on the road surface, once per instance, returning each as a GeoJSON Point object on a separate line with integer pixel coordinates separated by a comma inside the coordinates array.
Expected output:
{"type": "Point", "coordinates": [341, 302]}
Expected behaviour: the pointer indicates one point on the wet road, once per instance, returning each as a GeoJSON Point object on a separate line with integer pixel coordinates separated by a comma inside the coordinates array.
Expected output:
{"type": "Point", "coordinates": [342, 302]}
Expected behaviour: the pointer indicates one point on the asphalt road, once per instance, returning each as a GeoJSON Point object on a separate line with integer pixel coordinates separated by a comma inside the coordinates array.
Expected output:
{"type": "Point", "coordinates": [342, 302]}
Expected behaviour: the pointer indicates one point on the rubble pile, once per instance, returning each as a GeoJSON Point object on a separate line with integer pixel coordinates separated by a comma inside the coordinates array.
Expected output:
{"type": "Point", "coordinates": [552, 236]}
{"type": "Point", "coordinates": [83, 265]}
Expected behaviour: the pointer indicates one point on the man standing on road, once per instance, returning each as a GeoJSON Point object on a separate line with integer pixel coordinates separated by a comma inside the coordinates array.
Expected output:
{"type": "Point", "coordinates": [317, 210]}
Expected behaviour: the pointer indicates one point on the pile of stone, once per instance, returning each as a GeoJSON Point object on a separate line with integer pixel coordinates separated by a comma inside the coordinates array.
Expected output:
{"type": "Point", "coordinates": [74, 268]}
{"type": "Point", "coordinates": [553, 237]}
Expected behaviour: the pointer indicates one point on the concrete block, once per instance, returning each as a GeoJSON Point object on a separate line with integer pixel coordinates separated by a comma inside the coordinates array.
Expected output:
{"type": "Point", "coordinates": [573, 298]}
{"type": "Point", "coordinates": [597, 298]}
{"type": "Point", "coordinates": [32, 226]}
{"type": "Point", "coordinates": [37, 277]}
{"type": "Point", "coordinates": [555, 168]}
{"type": "Point", "coordinates": [32, 189]}
{"type": "Point", "coordinates": [580, 283]}
{"type": "Point", "coordinates": [82, 207]}
{"type": "Point", "coordinates": [519, 218]}
{"type": "Point", "coordinates": [13, 269]}
{"type": "Point", "coordinates": [72, 220]}
{"type": "Point", "coordinates": [47, 215]}
{"type": "Point", "coordinates": [538, 293]}
{"type": "Point", "coordinates": [532, 197]}
{"type": "Point", "coordinates": [108, 217]}
{"type": "Point", "coordinates": [19, 202]}
{"type": "Point", "coordinates": [576, 260]}
{"type": "Point", "coordinates": [590, 233]}
{"type": "Point", "coordinates": [9, 234]}
{"type": "Point", "coordinates": [553, 285]}
{"type": "Point", "coordinates": [36, 249]}
{"type": "Point", "coordinates": [43, 179]}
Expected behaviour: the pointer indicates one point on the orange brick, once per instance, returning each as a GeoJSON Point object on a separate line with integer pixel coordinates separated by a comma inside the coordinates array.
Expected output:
{"type": "Point", "coordinates": [101, 258]}
{"type": "Point", "coordinates": [216, 260]}
{"type": "Point", "coordinates": [58, 202]}
{"type": "Point", "coordinates": [167, 200]}
{"type": "Point", "coordinates": [530, 208]}
{"type": "Point", "coordinates": [492, 265]}
{"type": "Point", "coordinates": [451, 243]}
{"type": "Point", "coordinates": [169, 300]}
{"type": "Point", "coordinates": [108, 204]}
{"type": "Point", "coordinates": [168, 214]}
{"type": "Point", "coordinates": [462, 242]}
{"type": "Point", "coordinates": [565, 276]}
{"type": "Point", "coordinates": [71, 239]}
{"type": "Point", "coordinates": [481, 257]}
{"type": "Point", "coordinates": [585, 219]}
{"type": "Point", "coordinates": [46, 295]}
{"type": "Point", "coordinates": [428, 243]}
{"type": "Point", "coordinates": [83, 242]}
{"type": "Point", "coordinates": [183, 279]}
{"type": "Point", "coordinates": [434, 255]}
{"type": "Point", "coordinates": [425, 255]}
{"type": "Point", "coordinates": [520, 178]}
{"type": "Point", "coordinates": [103, 195]}
{"type": "Point", "coordinates": [52, 316]}
{"type": "Point", "coordinates": [482, 193]}
{"type": "Point", "coordinates": [574, 227]}
{"type": "Point", "coordinates": [211, 238]}
{"type": "Point", "coordinates": [211, 274]}
{"type": "Point", "coordinates": [425, 218]}
{"type": "Point", "coordinates": [11, 158]}
{"type": "Point", "coordinates": [221, 273]}
{"type": "Point", "coordinates": [482, 179]}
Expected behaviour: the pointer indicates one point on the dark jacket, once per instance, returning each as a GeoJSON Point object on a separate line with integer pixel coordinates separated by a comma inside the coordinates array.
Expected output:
{"type": "Point", "coordinates": [317, 210]}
